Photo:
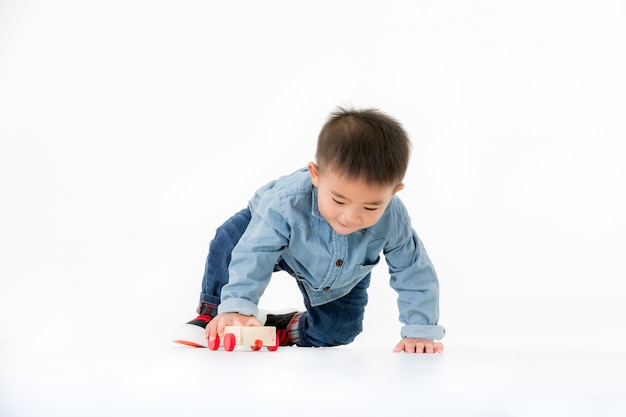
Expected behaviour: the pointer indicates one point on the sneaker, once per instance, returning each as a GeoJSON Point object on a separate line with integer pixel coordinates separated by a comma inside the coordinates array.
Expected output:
{"type": "Point", "coordinates": [283, 328]}
{"type": "Point", "coordinates": [283, 337]}
{"type": "Point", "coordinates": [263, 314]}
{"type": "Point", "coordinates": [193, 333]}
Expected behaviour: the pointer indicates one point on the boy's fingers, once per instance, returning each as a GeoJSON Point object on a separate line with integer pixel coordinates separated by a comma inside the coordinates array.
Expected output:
{"type": "Point", "coordinates": [210, 331]}
{"type": "Point", "coordinates": [221, 324]}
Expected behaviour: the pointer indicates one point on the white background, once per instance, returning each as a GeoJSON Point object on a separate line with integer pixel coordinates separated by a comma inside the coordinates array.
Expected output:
{"type": "Point", "coordinates": [131, 129]}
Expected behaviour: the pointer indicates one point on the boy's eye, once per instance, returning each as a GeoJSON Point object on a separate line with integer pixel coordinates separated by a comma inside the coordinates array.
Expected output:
{"type": "Point", "coordinates": [371, 208]}
{"type": "Point", "coordinates": [338, 202]}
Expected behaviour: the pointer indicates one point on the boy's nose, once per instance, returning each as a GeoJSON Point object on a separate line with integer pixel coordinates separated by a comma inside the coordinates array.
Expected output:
{"type": "Point", "coordinates": [349, 218]}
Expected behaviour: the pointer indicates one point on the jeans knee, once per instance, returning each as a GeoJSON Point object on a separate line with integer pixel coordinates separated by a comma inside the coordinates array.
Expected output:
{"type": "Point", "coordinates": [347, 339]}
{"type": "Point", "coordinates": [329, 337]}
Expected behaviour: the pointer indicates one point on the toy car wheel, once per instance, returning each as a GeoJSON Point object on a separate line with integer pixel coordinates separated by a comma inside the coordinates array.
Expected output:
{"type": "Point", "coordinates": [216, 343]}
{"type": "Point", "coordinates": [258, 344]}
{"type": "Point", "coordinates": [229, 342]}
{"type": "Point", "coordinates": [275, 347]}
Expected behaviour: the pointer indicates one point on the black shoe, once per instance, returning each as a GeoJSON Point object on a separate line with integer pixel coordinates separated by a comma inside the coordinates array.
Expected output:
{"type": "Point", "coordinates": [193, 333]}
{"type": "Point", "coordinates": [281, 322]}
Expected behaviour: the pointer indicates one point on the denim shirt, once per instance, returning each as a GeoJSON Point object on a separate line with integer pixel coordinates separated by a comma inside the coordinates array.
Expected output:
{"type": "Point", "coordinates": [286, 225]}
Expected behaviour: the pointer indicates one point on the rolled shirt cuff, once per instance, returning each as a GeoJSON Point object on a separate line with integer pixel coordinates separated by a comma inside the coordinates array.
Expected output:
{"type": "Point", "coordinates": [238, 305]}
{"type": "Point", "coordinates": [420, 331]}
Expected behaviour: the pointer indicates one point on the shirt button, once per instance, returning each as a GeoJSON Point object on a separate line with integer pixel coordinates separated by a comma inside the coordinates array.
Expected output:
{"type": "Point", "coordinates": [339, 262]}
{"type": "Point", "coordinates": [325, 288]}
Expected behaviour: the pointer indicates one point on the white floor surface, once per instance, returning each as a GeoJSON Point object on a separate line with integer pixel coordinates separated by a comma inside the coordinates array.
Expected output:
{"type": "Point", "coordinates": [162, 379]}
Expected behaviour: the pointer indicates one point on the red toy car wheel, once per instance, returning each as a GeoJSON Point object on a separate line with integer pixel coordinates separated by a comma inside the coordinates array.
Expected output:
{"type": "Point", "coordinates": [216, 343]}
{"type": "Point", "coordinates": [229, 342]}
{"type": "Point", "coordinates": [275, 347]}
{"type": "Point", "coordinates": [258, 344]}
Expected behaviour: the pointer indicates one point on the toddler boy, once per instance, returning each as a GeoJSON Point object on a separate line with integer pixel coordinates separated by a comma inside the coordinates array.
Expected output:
{"type": "Point", "coordinates": [326, 225]}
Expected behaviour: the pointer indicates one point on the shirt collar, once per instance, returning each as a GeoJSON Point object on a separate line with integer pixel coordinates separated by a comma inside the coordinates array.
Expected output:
{"type": "Point", "coordinates": [315, 211]}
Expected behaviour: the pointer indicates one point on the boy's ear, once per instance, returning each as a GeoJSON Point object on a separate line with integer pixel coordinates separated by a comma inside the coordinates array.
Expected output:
{"type": "Point", "coordinates": [314, 172]}
{"type": "Point", "coordinates": [398, 188]}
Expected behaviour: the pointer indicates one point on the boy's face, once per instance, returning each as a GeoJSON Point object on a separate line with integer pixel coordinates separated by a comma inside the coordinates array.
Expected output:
{"type": "Point", "coordinates": [349, 206]}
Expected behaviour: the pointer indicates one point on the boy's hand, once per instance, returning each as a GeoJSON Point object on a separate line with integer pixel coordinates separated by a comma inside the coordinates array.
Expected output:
{"type": "Point", "coordinates": [411, 345]}
{"type": "Point", "coordinates": [216, 326]}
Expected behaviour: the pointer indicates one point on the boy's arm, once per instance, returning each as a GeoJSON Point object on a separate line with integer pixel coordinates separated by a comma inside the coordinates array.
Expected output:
{"type": "Point", "coordinates": [414, 278]}
{"type": "Point", "coordinates": [252, 262]}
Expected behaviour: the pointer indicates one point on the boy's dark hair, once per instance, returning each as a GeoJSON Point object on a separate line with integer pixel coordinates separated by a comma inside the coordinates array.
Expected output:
{"type": "Point", "coordinates": [364, 144]}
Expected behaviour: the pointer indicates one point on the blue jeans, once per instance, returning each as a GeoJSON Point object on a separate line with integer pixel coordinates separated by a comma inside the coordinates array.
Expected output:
{"type": "Point", "coordinates": [331, 324]}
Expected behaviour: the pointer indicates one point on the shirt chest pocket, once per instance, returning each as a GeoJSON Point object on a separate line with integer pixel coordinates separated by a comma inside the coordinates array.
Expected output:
{"type": "Point", "coordinates": [360, 271]}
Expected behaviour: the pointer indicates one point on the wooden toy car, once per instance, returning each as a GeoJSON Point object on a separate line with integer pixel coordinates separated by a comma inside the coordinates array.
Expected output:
{"type": "Point", "coordinates": [254, 336]}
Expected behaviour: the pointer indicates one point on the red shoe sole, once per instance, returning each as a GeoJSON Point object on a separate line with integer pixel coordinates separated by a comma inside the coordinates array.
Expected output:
{"type": "Point", "coordinates": [187, 343]}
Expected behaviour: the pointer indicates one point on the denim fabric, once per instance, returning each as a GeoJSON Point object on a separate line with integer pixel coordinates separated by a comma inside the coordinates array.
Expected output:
{"type": "Point", "coordinates": [218, 260]}
{"type": "Point", "coordinates": [331, 324]}
{"type": "Point", "coordinates": [335, 323]}
{"type": "Point", "coordinates": [285, 230]}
